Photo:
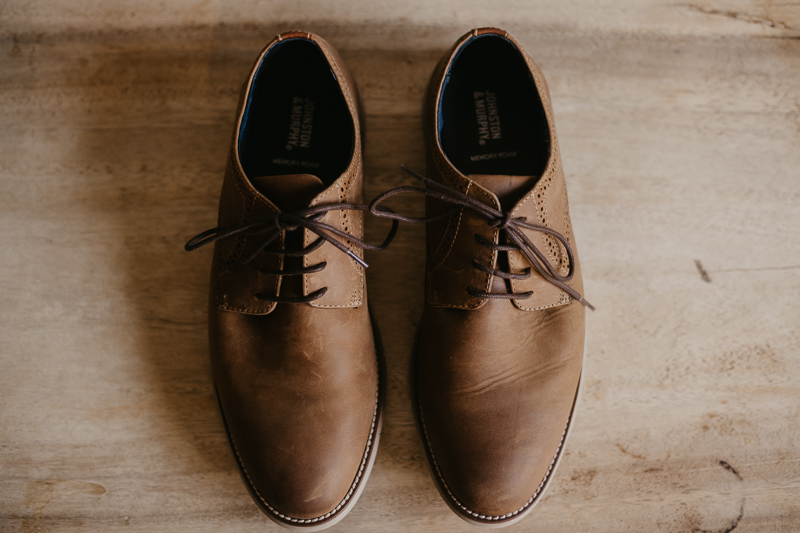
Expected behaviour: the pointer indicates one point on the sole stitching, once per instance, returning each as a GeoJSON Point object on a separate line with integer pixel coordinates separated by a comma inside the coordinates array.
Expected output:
{"type": "Point", "coordinates": [462, 506]}
{"type": "Point", "coordinates": [349, 493]}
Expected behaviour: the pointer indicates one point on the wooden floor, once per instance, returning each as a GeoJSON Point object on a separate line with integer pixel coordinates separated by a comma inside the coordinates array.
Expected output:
{"type": "Point", "coordinates": [680, 131]}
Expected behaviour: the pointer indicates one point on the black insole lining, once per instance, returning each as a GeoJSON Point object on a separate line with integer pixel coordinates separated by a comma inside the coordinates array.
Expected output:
{"type": "Point", "coordinates": [491, 118]}
{"type": "Point", "coordinates": [296, 120]}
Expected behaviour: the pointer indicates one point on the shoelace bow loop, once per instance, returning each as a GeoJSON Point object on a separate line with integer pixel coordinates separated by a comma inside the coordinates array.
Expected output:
{"type": "Point", "coordinates": [271, 227]}
{"type": "Point", "coordinates": [512, 226]}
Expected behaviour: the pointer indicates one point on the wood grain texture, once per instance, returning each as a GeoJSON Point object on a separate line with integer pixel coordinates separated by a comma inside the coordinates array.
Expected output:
{"type": "Point", "coordinates": [680, 133]}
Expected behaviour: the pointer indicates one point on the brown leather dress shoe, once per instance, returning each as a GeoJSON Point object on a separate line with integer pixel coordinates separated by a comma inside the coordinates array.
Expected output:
{"type": "Point", "coordinates": [500, 346]}
{"type": "Point", "coordinates": [296, 359]}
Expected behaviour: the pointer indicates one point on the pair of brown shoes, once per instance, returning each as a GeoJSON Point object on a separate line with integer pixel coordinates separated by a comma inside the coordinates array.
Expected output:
{"type": "Point", "coordinates": [296, 356]}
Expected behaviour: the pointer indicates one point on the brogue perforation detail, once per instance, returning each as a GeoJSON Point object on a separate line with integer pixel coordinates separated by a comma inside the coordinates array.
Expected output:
{"type": "Point", "coordinates": [343, 184]}
{"type": "Point", "coordinates": [512, 226]}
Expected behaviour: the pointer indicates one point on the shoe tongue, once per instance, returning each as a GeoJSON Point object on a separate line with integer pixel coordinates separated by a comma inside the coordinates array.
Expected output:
{"type": "Point", "coordinates": [508, 189]}
{"type": "Point", "coordinates": [290, 192]}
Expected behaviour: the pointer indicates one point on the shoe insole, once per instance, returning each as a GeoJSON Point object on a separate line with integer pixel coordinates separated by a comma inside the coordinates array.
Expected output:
{"type": "Point", "coordinates": [491, 119]}
{"type": "Point", "coordinates": [296, 120]}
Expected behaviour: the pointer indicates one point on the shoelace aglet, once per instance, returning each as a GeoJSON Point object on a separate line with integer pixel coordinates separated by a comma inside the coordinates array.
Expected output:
{"type": "Point", "coordinates": [358, 259]}
{"type": "Point", "coordinates": [587, 304]}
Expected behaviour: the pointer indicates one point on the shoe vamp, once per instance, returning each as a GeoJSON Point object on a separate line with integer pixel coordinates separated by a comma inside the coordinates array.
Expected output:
{"type": "Point", "coordinates": [298, 389]}
{"type": "Point", "coordinates": [496, 388]}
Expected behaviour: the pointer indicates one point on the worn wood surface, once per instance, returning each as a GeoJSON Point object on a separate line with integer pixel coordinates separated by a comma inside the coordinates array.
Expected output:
{"type": "Point", "coordinates": [680, 131]}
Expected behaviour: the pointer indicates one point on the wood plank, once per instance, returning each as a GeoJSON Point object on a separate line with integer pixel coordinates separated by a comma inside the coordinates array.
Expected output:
{"type": "Point", "coordinates": [680, 145]}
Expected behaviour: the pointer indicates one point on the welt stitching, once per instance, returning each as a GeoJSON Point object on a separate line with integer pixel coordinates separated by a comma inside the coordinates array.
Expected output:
{"type": "Point", "coordinates": [352, 486]}
{"type": "Point", "coordinates": [530, 501]}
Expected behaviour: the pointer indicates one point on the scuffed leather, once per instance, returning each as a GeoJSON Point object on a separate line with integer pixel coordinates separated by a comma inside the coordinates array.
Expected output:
{"type": "Point", "coordinates": [297, 383]}
{"type": "Point", "coordinates": [495, 380]}
{"type": "Point", "coordinates": [495, 388]}
{"type": "Point", "coordinates": [298, 391]}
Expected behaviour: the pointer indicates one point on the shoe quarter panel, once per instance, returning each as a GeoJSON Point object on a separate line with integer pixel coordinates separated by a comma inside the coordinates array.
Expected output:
{"type": "Point", "coordinates": [343, 276]}
{"type": "Point", "coordinates": [453, 247]}
{"type": "Point", "coordinates": [546, 205]}
{"type": "Point", "coordinates": [235, 291]}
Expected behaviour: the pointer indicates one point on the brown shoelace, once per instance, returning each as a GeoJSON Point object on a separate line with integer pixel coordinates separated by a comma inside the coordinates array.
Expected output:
{"type": "Point", "coordinates": [497, 219]}
{"type": "Point", "coordinates": [309, 219]}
